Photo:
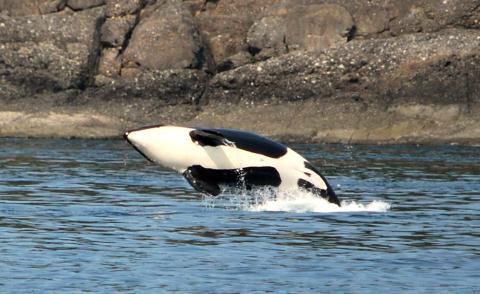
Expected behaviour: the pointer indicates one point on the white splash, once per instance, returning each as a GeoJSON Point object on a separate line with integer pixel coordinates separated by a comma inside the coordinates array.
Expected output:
{"type": "Point", "coordinates": [294, 201]}
{"type": "Point", "coordinates": [314, 204]}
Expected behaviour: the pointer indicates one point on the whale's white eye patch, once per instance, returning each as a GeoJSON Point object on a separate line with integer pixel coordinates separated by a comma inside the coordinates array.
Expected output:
{"type": "Point", "coordinates": [208, 138]}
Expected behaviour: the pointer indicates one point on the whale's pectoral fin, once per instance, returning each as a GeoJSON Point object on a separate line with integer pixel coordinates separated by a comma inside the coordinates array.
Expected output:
{"type": "Point", "coordinates": [199, 184]}
{"type": "Point", "coordinates": [209, 138]}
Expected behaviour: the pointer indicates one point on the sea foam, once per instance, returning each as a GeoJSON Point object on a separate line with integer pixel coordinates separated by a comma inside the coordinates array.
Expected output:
{"type": "Point", "coordinates": [291, 201]}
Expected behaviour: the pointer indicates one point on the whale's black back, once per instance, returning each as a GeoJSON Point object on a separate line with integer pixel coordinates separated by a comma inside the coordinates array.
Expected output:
{"type": "Point", "coordinates": [252, 142]}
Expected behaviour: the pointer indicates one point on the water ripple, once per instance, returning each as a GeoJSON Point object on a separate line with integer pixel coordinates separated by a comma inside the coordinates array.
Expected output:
{"type": "Point", "coordinates": [93, 216]}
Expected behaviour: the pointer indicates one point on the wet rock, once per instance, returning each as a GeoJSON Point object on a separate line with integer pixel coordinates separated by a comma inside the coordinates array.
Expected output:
{"type": "Point", "coordinates": [84, 4]}
{"type": "Point", "coordinates": [50, 52]}
{"type": "Point", "coordinates": [115, 30]}
{"type": "Point", "coordinates": [122, 7]}
{"type": "Point", "coordinates": [165, 38]}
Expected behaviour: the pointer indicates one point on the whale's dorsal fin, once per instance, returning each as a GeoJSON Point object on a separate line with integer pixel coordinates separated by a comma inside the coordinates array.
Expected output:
{"type": "Point", "coordinates": [209, 138]}
{"type": "Point", "coordinates": [194, 178]}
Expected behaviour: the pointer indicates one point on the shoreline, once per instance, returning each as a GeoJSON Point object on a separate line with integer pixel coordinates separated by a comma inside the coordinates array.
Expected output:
{"type": "Point", "coordinates": [429, 125]}
{"type": "Point", "coordinates": [317, 71]}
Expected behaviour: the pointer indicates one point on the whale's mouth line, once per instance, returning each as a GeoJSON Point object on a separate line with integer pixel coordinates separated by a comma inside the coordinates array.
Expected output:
{"type": "Point", "coordinates": [125, 136]}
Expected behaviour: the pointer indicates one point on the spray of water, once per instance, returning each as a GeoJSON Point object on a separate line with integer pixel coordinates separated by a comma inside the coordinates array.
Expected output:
{"type": "Point", "coordinates": [268, 199]}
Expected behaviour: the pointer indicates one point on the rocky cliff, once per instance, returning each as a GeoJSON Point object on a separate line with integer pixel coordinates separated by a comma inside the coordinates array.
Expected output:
{"type": "Point", "coordinates": [320, 70]}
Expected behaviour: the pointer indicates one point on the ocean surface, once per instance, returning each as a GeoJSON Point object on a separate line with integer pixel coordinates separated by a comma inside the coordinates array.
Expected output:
{"type": "Point", "coordinates": [79, 216]}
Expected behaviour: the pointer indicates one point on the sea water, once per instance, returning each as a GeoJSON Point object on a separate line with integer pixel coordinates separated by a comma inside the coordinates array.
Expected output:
{"type": "Point", "coordinates": [94, 216]}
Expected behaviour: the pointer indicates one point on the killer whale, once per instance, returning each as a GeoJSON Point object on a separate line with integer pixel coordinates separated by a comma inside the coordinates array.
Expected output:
{"type": "Point", "coordinates": [209, 158]}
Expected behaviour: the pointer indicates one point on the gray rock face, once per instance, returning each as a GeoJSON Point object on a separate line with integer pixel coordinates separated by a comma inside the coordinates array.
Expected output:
{"type": "Point", "coordinates": [224, 35]}
{"type": "Point", "coordinates": [378, 18]}
{"type": "Point", "coordinates": [317, 27]}
{"type": "Point", "coordinates": [303, 27]}
{"type": "Point", "coordinates": [167, 87]}
{"type": "Point", "coordinates": [122, 17]}
{"type": "Point", "coordinates": [431, 16]}
{"type": "Point", "coordinates": [165, 39]}
{"type": "Point", "coordinates": [49, 52]}
{"type": "Point", "coordinates": [382, 70]}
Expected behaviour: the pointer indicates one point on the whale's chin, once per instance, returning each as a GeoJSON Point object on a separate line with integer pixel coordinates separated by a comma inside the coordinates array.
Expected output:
{"type": "Point", "coordinates": [125, 136]}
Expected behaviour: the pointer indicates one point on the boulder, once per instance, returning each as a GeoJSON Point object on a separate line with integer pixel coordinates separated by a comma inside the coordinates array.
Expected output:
{"type": "Point", "coordinates": [50, 52]}
{"type": "Point", "coordinates": [122, 7]}
{"type": "Point", "coordinates": [51, 6]}
{"type": "Point", "coordinates": [224, 25]}
{"type": "Point", "coordinates": [84, 4]}
{"type": "Point", "coordinates": [165, 38]}
{"type": "Point", "coordinates": [224, 34]}
{"type": "Point", "coordinates": [268, 33]}
{"type": "Point", "coordinates": [371, 19]}
{"type": "Point", "coordinates": [30, 7]}
{"type": "Point", "coordinates": [115, 30]}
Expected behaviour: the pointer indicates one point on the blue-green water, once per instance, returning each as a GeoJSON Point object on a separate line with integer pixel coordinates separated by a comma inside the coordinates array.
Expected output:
{"type": "Point", "coordinates": [93, 216]}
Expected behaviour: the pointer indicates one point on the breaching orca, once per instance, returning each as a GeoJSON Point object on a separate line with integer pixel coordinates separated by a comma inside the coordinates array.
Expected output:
{"type": "Point", "coordinates": [209, 158]}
